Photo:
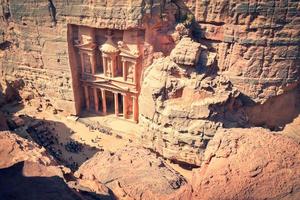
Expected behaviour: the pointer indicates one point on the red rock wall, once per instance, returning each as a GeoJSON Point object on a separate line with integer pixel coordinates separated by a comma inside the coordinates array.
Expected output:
{"type": "Point", "coordinates": [38, 50]}
{"type": "Point", "coordinates": [257, 49]}
{"type": "Point", "coordinates": [257, 42]}
{"type": "Point", "coordinates": [256, 45]}
{"type": "Point", "coordinates": [37, 45]}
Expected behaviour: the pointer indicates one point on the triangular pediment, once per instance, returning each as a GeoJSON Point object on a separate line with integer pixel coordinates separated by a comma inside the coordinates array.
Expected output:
{"type": "Point", "coordinates": [87, 47]}
{"type": "Point", "coordinates": [128, 54]}
{"type": "Point", "coordinates": [109, 84]}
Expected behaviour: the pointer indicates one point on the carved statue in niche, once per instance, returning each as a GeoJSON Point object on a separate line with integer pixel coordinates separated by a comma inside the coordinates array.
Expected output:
{"type": "Point", "coordinates": [124, 48]}
{"type": "Point", "coordinates": [130, 71]}
{"type": "Point", "coordinates": [84, 39]}
{"type": "Point", "coordinates": [110, 52]}
{"type": "Point", "coordinates": [87, 63]}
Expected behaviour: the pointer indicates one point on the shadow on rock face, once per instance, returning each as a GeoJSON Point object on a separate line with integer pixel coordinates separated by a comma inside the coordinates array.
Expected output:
{"type": "Point", "coordinates": [68, 151]}
{"type": "Point", "coordinates": [43, 132]}
{"type": "Point", "coordinates": [14, 185]}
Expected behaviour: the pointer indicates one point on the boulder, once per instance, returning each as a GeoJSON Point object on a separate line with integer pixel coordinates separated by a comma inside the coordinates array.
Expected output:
{"type": "Point", "coordinates": [134, 173]}
{"type": "Point", "coordinates": [178, 98]}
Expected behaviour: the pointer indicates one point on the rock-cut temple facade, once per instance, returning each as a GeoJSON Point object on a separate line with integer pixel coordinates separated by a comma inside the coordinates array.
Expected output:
{"type": "Point", "coordinates": [108, 66]}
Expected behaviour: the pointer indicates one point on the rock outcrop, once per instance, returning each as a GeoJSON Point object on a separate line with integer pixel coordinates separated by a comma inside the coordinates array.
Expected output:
{"type": "Point", "coordinates": [34, 40]}
{"type": "Point", "coordinates": [134, 173]}
{"type": "Point", "coordinates": [250, 62]}
{"type": "Point", "coordinates": [28, 172]}
{"type": "Point", "coordinates": [184, 109]}
{"type": "Point", "coordinates": [249, 164]}
{"type": "Point", "coordinates": [257, 43]}
{"type": "Point", "coordinates": [292, 129]}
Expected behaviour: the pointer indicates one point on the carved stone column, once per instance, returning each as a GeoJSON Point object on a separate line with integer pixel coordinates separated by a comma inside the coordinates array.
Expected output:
{"type": "Point", "coordinates": [94, 63]}
{"type": "Point", "coordinates": [108, 67]}
{"type": "Point", "coordinates": [82, 65]}
{"type": "Point", "coordinates": [96, 100]}
{"type": "Point", "coordinates": [104, 110]}
{"type": "Point", "coordinates": [87, 99]}
{"type": "Point", "coordinates": [135, 109]}
{"type": "Point", "coordinates": [124, 70]}
{"type": "Point", "coordinates": [113, 65]}
{"type": "Point", "coordinates": [125, 106]}
{"type": "Point", "coordinates": [116, 104]}
{"type": "Point", "coordinates": [104, 60]}
{"type": "Point", "coordinates": [134, 73]}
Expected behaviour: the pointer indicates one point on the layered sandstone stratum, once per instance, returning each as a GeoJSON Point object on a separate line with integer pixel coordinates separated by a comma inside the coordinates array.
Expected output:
{"type": "Point", "coordinates": [208, 91]}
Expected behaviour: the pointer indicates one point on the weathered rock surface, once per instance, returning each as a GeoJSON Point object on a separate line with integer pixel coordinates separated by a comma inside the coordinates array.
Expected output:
{"type": "Point", "coordinates": [3, 123]}
{"type": "Point", "coordinates": [292, 129]}
{"type": "Point", "coordinates": [28, 172]}
{"type": "Point", "coordinates": [184, 110]}
{"type": "Point", "coordinates": [257, 43]}
{"type": "Point", "coordinates": [134, 173]}
{"type": "Point", "coordinates": [251, 46]}
{"type": "Point", "coordinates": [15, 149]}
{"type": "Point", "coordinates": [249, 164]}
{"type": "Point", "coordinates": [276, 112]}
{"type": "Point", "coordinates": [186, 52]}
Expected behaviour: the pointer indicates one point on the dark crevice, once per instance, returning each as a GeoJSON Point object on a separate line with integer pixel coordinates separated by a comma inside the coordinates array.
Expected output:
{"type": "Point", "coordinates": [52, 11]}
{"type": "Point", "coordinates": [5, 45]}
{"type": "Point", "coordinates": [212, 23]}
{"type": "Point", "coordinates": [185, 165]}
{"type": "Point", "coordinates": [182, 164]}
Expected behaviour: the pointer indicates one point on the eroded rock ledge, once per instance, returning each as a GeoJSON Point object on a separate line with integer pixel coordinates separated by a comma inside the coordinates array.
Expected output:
{"type": "Point", "coordinates": [249, 164]}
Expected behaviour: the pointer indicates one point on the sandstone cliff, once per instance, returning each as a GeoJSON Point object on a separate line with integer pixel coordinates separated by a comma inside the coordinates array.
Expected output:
{"type": "Point", "coordinates": [134, 173]}
{"type": "Point", "coordinates": [256, 42]}
{"type": "Point", "coordinates": [247, 72]}
{"type": "Point", "coordinates": [28, 172]}
{"type": "Point", "coordinates": [249, 164]}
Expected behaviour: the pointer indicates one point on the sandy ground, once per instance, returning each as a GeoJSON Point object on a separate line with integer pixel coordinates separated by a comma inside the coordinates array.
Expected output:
{"type": "Point", "coordinates": [68, 129]}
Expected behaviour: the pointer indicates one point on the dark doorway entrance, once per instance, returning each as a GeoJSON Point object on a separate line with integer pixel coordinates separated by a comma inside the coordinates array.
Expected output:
{"type": "Point", "coordinates": [92, 99]}
{"type": "Point", "coordinates": [110, 105]}
{"type": "Point", "coordinates": [100, 101]}
{"type": "Point", "coordinates": [120, 102]}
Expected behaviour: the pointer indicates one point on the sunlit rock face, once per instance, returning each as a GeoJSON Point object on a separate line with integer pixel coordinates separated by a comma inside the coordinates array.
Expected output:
{"type": "Point", "coordinates": [184, 109]}
{"type": "Point", "coordinates": [28, 172]}
{"type": "Point", "coordinates": [135, 173]}
{"type": "Point", "coordinates": [248, 164]}
{"type": "Point", "coordinates": [257, 43]}
{"type": "Point", "coordinates": [239, 59]}
{"type": "Point", "coordinates": [254, 47]}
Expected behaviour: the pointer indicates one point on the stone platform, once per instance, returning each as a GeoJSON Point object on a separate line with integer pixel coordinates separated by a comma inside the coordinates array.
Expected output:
{"type": "Point", "coordinates": [112, 125]}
